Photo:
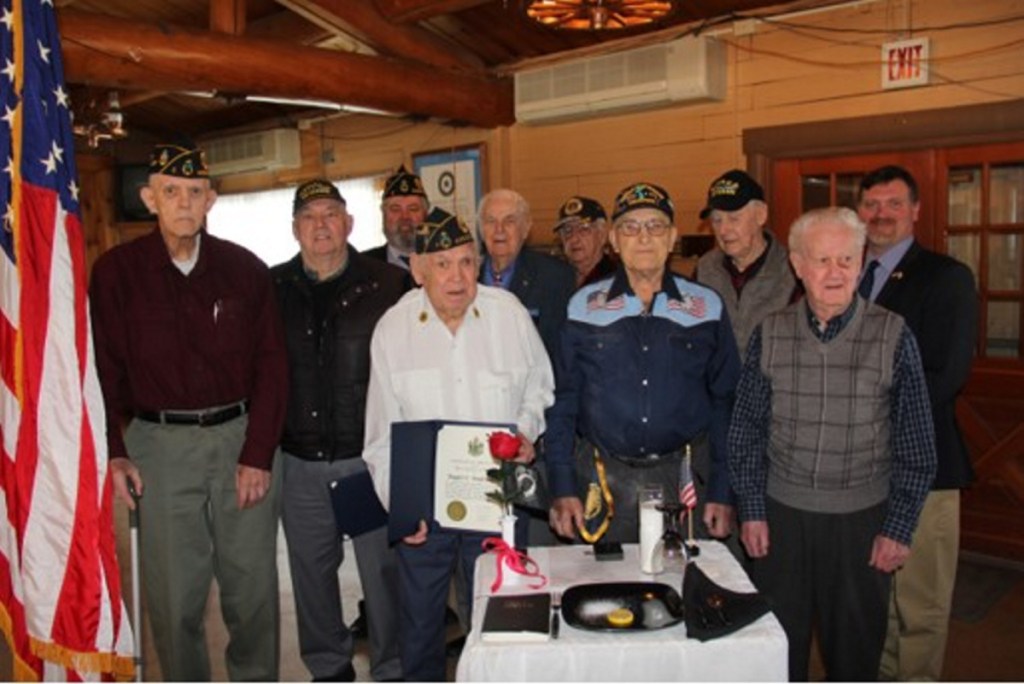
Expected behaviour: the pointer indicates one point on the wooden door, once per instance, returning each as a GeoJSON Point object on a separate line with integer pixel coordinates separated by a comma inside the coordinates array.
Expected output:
{"type": "Point", "coordinates": [799, 185]}
{"type": "Point", "coordinates": [972, 206]}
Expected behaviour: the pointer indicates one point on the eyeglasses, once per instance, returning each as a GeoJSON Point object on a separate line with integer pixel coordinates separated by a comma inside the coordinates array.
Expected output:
{"type": "Point", "coordinates": [654, 227]}
{"type": "Point", "coordinates": [569, 229]}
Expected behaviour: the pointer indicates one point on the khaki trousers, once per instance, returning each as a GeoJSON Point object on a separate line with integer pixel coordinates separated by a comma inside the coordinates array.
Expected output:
{"type": "Point", "coordinates": [922, 593]}
{"type": "Point", "coordinates": [191, 531]}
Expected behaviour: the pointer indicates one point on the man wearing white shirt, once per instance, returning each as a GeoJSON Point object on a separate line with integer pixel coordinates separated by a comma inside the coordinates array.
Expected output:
{"type": "Point", "coordinates": [452, 350]}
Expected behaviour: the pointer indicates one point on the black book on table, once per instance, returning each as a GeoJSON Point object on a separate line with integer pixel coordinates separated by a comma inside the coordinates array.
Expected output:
{"type": "Point", "coordinates": [517, 617]}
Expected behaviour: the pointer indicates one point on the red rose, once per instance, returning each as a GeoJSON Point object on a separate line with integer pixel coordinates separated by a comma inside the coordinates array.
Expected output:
{"type": "Point", "coordinates": [504, 446]}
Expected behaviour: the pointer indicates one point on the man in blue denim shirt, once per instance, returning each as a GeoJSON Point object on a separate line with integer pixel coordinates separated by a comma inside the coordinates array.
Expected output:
{"type": "Point", "coordinates": [647, 365]}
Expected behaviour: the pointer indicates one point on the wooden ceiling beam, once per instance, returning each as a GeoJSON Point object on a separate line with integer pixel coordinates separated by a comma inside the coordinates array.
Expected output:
{"type": "Point", "coordinates": [227, 16]}
{"type": "Point", "coordinates": [402, 11]}
{"type": "Point", "coordinates": [362, 20]}
{"type": "Point", "coordinates": [286, 26]}
{"type": "Point", "coordinates": [109, 52]}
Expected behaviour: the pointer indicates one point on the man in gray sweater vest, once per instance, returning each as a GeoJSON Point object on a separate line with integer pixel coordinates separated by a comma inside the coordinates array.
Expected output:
{"type": "Point", "coordinates": [831, 452]}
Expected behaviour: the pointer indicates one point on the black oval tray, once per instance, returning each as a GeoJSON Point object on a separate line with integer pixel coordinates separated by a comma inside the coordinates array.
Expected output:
{"type": "Point", "coordinates": [586, 606]}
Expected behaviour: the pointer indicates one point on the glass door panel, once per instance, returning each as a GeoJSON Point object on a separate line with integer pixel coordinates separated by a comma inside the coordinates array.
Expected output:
{"type": "Point", "coordinates": [847, 185]}
{"type": "Point", "coordinates": [965, 196]}
{"type": "Point", "coordinates": [1002, 335]}
{"type": "Point", "coordinates": [816, 192]}
{"type": "Point", "coordinates": [1006, 195]}
{"type": "Point", "coordinates": [967, 248]}
{"type": "Point", "coordinates": [1004, 261]}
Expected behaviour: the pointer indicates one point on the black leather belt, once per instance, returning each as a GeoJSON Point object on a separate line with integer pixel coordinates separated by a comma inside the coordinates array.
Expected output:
{"type": "Point", "coordinates": [203, 418]}
{"type": "Point", "coordinates": [647, 460]}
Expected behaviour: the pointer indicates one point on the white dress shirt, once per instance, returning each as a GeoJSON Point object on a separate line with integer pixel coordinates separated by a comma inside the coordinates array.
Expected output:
{"type": "Point", "coordinates": [493, 369]}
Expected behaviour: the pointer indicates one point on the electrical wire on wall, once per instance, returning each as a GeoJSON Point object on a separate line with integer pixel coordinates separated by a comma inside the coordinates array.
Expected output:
{"type": "Point", "coordinates": [827, 34]}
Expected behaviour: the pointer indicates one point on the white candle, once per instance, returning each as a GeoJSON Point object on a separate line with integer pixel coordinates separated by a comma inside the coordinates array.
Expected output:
{"type": "Point", "coordinates": [652, 526]}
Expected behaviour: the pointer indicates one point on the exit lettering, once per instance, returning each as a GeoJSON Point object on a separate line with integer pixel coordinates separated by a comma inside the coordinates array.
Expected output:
{"type": "Point", "coordinates": [905, 63]}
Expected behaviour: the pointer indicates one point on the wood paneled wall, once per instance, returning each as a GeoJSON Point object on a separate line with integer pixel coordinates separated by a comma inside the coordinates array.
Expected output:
{"type": "Point", "coordinates": [777, 76]}
{"type": "Point", "coordinates": [780, 74]}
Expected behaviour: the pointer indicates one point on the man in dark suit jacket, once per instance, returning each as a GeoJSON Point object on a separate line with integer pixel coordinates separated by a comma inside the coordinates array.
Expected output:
{"type": "Point", "coordinates": [542, 283]}
{"type": "Point", "coordinates": [936, 296]}
{"type": "Point", "coordinates": [403, 208]}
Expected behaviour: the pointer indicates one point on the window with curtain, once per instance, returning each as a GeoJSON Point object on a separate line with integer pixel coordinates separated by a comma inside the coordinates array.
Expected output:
{"type": "Point", "coordinates": [262, 221]}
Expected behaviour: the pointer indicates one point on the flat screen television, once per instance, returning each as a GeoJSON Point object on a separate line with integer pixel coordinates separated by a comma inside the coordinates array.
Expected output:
{"type": "Point", "coordinates": [130, 178]}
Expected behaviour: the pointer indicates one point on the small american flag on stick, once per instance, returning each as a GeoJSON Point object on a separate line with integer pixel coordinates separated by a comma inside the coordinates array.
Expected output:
{"type": "Point", "coordinates": [687, 489]}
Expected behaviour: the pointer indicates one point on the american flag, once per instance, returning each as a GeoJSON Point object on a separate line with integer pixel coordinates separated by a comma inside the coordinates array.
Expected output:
{"type": "Point", "coordinates": [599, 300]}
{"type": "Point", "coordinates": [687, 490]}
{"type": "Point", "coordinates": [59, 580]}
{"type": "Point", "coordinates": [695, 306]}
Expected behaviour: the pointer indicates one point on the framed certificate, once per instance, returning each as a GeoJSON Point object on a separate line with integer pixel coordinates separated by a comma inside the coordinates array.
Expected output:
{"type": "Point", "coordinates": [439, 473]}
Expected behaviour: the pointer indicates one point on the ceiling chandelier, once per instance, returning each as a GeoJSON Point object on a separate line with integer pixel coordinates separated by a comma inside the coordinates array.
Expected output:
{"type": "Point", "coordinates": [596, 15]}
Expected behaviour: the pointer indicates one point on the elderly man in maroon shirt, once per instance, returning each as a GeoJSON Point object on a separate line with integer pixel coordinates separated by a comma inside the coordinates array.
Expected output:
{"type": "Point", "coordinates": [192, 362]}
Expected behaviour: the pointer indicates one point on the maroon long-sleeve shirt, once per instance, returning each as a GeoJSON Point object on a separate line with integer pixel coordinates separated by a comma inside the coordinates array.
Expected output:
{"type": "Point", "coordinates": [167, 341]}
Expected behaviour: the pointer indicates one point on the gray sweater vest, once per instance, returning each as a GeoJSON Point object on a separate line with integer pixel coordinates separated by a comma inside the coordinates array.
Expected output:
{"type": "Point", "coordinates": [770, 290]}
{"type": "Point", "coordinates": [829, 441]}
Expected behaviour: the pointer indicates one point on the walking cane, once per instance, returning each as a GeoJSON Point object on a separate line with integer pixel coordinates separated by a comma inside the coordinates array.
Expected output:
{"type": "Point", "coordinates": [133, 529]}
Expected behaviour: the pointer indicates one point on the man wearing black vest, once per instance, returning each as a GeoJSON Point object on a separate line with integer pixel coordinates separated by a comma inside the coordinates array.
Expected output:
{"type": "Point", "coordinates": [936, 295]}
{"type": "Point", "coordinates": [330, 299]}
{"type": "Point", "coordinates": [831, 452]}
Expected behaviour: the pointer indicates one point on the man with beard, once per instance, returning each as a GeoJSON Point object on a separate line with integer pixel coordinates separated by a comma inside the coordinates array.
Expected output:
{"type": "Point", "coordinates": [403, 209]}
{"type": "Point", "coordinates": [936, 296]}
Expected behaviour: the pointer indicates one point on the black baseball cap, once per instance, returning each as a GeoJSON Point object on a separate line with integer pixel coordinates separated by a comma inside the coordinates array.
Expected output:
{"type": "Point", "coordinates": [643, 195]}
{"type": "Point", "coordinates": [584, 209]}
{"type": "Point", "coordinates": [731, 191]}
{"type": "Point", "coordinates": [318, 188]}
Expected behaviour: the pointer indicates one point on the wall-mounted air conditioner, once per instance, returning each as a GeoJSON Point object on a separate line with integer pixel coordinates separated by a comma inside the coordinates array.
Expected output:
{"type": "Point", "coordinates": [690, 69]}
{"type": "Point", "coordinates": [254, 152]}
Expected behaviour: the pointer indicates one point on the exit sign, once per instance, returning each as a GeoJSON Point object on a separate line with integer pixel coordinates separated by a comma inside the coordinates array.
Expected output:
{"type": "Point", "coordinates": [905, 63]}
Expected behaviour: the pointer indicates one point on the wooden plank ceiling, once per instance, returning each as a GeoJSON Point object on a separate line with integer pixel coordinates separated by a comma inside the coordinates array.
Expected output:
{"type": "Point", "coordinates": [186, 66]}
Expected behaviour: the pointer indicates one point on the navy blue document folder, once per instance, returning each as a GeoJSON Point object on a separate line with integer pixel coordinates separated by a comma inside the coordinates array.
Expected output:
{"type": "Point", "coordinates": [413, 455]}
{"type": "Point", "coordinates": [357, 509]}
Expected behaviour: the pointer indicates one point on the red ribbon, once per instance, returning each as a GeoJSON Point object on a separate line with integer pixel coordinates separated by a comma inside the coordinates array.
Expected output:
{"type": "Point", "coordinates": [517, 562]}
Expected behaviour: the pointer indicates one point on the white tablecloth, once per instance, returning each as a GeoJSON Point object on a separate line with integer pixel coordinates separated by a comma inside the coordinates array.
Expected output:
{"type": "Point", "coordinates": [757, 652]}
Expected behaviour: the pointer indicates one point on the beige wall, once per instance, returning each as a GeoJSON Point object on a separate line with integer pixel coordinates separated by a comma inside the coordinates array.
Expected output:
{"type": "Point", "coordinates": [776, 76]}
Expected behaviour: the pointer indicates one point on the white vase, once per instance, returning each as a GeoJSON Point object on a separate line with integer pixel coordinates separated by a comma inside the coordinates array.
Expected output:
{"type": "Point", "coordinates": [508, 530]}
{"type": "Point", "coordinates": [509, 576]}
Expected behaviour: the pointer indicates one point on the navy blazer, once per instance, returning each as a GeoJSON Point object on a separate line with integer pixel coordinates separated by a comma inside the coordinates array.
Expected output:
{"type": "Point", "coordinates": [378, 253]}
{"type": "Point", "coordinates": [544, 285]}
{"type": "Point", "coordinates": [936, 296]}
{"type": "Point", "coordinates": [381, 254]}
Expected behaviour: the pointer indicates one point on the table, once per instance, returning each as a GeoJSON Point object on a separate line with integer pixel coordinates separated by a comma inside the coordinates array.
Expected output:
{"type": "Point", "coordinates": [757, 652]}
